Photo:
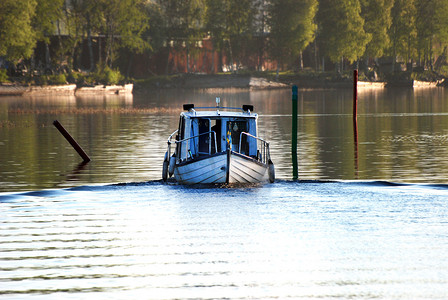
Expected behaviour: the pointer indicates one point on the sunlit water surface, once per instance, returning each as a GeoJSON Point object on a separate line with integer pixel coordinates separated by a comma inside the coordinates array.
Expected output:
{"type": "Point", "coordinates": [375, 227]}
{"type": "Point", "coordinates": [285, 240]}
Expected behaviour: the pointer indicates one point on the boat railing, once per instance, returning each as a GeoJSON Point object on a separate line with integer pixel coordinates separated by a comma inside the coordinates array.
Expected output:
{"type": "Point", "coordinates": [169, 142]}
{"type": "Point", "coordinates": [188, 153]}
{"type": "Point", "coordinates": [263, 153]}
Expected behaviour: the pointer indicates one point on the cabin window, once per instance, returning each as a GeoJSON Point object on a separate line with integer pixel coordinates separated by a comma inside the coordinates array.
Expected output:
{"type": "Point", "coordinates": [216, 128]}
{"type": "Point", "coordinates": [236, 128]}
{"type": "Point", "coordinates": [204, 139]}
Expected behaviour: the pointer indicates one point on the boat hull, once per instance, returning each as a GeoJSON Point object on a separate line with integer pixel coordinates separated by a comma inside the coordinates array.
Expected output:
{"type": "Point", "coordinates": [222, 167]}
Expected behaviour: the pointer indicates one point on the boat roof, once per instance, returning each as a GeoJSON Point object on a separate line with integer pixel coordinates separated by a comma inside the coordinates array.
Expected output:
{"type": "Point", "coordinates": [219, 112]}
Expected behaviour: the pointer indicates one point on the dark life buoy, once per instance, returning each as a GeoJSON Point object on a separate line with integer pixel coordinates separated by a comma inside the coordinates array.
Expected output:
{"type": "Point", "coordinates": [165, 167]}
{"type": "Point", "coordinates": [271, 171]}
{"type": "Point", "coordinates": [171, 164]}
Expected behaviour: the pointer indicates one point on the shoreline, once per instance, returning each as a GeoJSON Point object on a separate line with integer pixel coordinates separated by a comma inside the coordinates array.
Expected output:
{"type": "Point", "coordinates": [193, 81]}
{"type": "Point", "coordinates": [65, 89]}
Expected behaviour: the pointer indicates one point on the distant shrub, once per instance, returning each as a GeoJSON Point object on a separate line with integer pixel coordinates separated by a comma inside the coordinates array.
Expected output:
{"type": "Point", "coordinates": [3, 76]}
{"type": "Point", "coordinates": [57, 79]}
{"type": "Point", "coordinates": [107, 75]}
{"type": "Point", "coordinates": [444, 70]}
{"type": "Point", "coordinates": [40, 80]}
{"type": "Point", "coordinates": [73, 77]}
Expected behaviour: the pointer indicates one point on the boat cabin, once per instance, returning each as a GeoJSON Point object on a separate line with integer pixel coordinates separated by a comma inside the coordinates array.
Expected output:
{"type": "Point", "coordinates": [203, 133]}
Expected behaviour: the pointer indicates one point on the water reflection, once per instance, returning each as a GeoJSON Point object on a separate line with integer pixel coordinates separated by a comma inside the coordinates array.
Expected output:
{"type": "Point", "coordinates": [402, 134]}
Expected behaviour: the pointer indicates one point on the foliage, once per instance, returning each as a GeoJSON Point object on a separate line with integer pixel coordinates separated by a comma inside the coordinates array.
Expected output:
{"type": "Point", "coordinates": [57, 79]}
{"type": "Point", "coordinates": [73, 77]}
{"type": "Point", "coordinates": [106, 75]}
{"type": "Point", "coordinates": [3, 75]}
{"type": "Point", "coordinates": [402, 32]}
{"type": "Point", "coordinates": [431, 25]}
{"type": "Point", "coordinates": [240, 15]}
{"type": "Point", "coordinates": [47, 12]}
{"type": "Point", "coordinates": [378, 19]}
{"type": "Point", "coordinates": [292, 27]}
{"type": "Point", "coordinates": [406, 30]}
{"type": "Point", "coordinates": [444, 71]}
{"type": "Point", "coordinates": [342, 29]}
{"type": "Point", "coordinates": [215, 20]}
{"type": "Point", "coordinates": [17, 38]}
{"type": "Point", "coordinates": [155, 34]}
{"type": "Point", "coordinates": [124, 19]}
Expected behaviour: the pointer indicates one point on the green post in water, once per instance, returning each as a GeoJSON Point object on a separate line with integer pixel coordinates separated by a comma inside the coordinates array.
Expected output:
{"type": "Point", "coordinates": [295, 171]}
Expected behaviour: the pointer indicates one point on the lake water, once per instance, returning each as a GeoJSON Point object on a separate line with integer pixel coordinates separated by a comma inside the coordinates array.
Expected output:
{"type": "Point", "coordinates": [366, 220]}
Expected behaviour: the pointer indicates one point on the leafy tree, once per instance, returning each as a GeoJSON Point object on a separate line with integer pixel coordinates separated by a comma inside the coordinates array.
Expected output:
{"type": "Point", "coordinates": [192, 12]}
{"type": "Point", "coordinates": [431, 24]}
{"type": "Point", "coordinates": [292, 28]}
{"type": "Point", "coordinates": [342, 29]}
{"type": "Point", "coordinates": [183, 23]}
{"type": "Point", "coordinates": [155, 34]}
{"type": "Point", "coordinates": [378, 19]}
{"type": "Point", "coordinates": [240, 16]}
{"type": "Point", "coordinates": [403, 31]}
{"type": "Point", "coordinates": [44, 23]}
{"type": "Point", "coordinates": [123, 20]}
{"type": "Point", "coordinates": [16, 34]}
{"type": "Point", "coordinates": [441, 21]}
{"type": "Point", "coordinates": [260, 30]}
{"type": "Point", "coordinates": [215, 26]}
{"type": "Point", "coordinates": [74, 22]}
{"type": "Point", "coordinates": [231, 24]}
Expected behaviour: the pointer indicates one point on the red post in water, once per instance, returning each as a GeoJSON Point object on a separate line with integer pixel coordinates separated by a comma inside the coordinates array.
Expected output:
{"type": "Point", "coordinates": [72, 141]}
{"type": "Point", "coordinates": [355, 95]}
{"type": "Point", "coordinates": [355, 119]}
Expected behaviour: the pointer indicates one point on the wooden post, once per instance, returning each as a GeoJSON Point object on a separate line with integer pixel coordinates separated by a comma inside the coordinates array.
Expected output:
{"type": "Point", "coordinates": [72, 141]}
{"type": "Point", "coordinates": [355, 94]}
{"type": "Point", "coordinates": [295, 171]}
{"type": "Point", "coordinates": [355, 120]}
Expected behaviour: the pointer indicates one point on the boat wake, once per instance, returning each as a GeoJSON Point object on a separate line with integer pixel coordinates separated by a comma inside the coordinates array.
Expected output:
{"type": "Point", "coordinates": [281, 184]}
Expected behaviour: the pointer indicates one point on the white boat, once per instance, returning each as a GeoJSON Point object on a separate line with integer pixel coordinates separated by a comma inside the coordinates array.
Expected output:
{"type": "Point", "coordinates": [218, 145]}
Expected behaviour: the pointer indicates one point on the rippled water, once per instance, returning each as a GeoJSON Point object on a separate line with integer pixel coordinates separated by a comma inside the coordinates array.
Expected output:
{"type": "Point", "coordinates": [328, 240]}
{"type": "Point", "coordinates": [375, 227]}
{"type": "Point", "coordinates": [402, 135]}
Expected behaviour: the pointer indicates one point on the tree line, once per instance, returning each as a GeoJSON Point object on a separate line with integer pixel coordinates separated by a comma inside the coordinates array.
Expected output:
{"type": "Point", "coordinates": [410, 31]}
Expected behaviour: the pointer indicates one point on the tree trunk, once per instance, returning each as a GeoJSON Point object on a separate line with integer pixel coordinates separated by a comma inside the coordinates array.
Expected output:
{"type": "Point", "coordinates": [73, 56]}
{"type": "Point", "coordinates": [431, 63]}
{"type": "Point", "coordinates": [261, 52]}
{"type": "Point", "coordinates": [100, 53]}
{"type": "Point", "coordinates": [212, 69]}
{"type": "Point", "coordinates": [231, 55]}
{"type": "Point", "coordinates": [167, 59]}
{"type": "Point", "coordinates": [220, 58]}
{"type": "Point", "coordinates": [131, 60]}
{"type": "Point", "coordinates": [277, 74]}
{"type": "Point", "coordinates": [366, 70]}
{"type": "Point", "coordinates": [89, 44]}
{"type": "Point", "coordinates": [188, 58]}
{"type": "Point", "coordinates": [61, 56]}
{"type": "Point", "coordinates": [47, 59]}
